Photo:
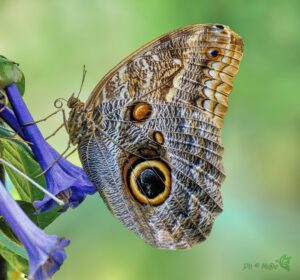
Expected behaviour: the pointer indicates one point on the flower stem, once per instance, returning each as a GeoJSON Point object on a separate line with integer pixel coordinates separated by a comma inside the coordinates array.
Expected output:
{"type": "Point", "coordinates": [60, 202]}
{"type": "Point", "coordinates": [3, 264]}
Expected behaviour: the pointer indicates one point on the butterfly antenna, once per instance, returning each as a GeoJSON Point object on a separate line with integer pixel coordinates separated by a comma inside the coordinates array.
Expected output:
{"type": "Point", "coordinates": [82, 81]}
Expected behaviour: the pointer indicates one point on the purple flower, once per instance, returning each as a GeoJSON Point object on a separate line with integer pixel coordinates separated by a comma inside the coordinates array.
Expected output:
{"type": "Point", "coordinates": [46, 252]}
{"type": "Point", "coordinates": [63, 179]}
{"type": "Point", "coordinates": [8, 116]}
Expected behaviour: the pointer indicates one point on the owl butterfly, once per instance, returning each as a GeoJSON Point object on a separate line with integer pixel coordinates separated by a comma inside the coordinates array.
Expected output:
{"type": "Point", "coordinates": [149, 135]}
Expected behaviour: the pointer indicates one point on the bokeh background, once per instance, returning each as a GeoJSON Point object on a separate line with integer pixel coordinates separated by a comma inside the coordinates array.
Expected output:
{"type": "Point", "coordinates": [52, 40]}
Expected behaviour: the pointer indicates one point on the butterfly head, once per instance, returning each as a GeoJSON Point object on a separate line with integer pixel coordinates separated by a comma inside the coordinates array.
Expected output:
{"type": "Point", "coordinates": [73, 102]}
{"type": "Point", "coordinates": [79, 120]}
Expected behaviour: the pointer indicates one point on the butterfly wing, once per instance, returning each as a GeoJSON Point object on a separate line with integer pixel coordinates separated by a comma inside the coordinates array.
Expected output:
{"type": "Point", "coordinates": [156, 152]}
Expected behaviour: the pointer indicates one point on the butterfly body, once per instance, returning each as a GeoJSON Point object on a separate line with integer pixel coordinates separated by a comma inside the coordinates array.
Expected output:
{"type": "Point", "coordinates": [149, 135]}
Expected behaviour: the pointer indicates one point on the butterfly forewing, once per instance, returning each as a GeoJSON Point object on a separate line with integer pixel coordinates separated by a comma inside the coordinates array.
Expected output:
{"type": "Point", "coordinates": [154, 150]}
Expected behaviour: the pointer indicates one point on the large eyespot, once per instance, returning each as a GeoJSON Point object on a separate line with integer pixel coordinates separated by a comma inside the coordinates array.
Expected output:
{"type": "Point", "coordinates": [141, 111]}
{"type": "Point", "coordinates": [149, 181]}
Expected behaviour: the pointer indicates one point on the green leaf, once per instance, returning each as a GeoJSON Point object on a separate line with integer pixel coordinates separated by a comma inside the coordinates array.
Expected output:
{"type": "Point", "coordinates": [10, 73]}
{"type": "Point", "coordinates": [5, 228]}
{"type": "Point", "coordinates": [46, 218]}
{"type": "Point", "coordinates": [14, 254]}
{"type": "Point", "coordinates": [21, 85]}
{"type": "Point", "coordinates": [20, 156]}
{"type": "Point", "coordinates": [7, 133]}
{"type": "Point", "coordinates": [4, 132]}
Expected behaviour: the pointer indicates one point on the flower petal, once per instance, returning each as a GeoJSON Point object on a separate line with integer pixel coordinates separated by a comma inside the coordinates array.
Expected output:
{"type": "Point", "coordinates": [46, 252]}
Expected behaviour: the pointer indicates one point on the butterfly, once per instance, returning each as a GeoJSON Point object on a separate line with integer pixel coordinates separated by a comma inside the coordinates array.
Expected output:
{"type": "Point", "coordinates": [149, 136]}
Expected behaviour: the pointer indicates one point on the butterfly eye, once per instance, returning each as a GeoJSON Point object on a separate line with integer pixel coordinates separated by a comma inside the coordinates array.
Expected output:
{"type": "Point", "coordinates": [141, 111]}
{"type": "Point", "coordinates": [150, 182]}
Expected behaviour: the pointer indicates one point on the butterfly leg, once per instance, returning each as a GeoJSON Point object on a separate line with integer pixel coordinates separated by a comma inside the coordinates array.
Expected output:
{"type": "Point", "coordinates": [64, 124]}
{"type": "Point", "coordinates": [54, 133]}
{"type": "Point", "coordinates": [69, 154]}
{"type": "Point", "coordinates": [46, 118]}
{"type": "Point", "coordinates": [56, 160]}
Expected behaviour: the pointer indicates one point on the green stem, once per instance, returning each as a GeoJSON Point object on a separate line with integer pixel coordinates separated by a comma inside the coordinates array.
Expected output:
{"type": "Point", "coordinates": [3, 265]}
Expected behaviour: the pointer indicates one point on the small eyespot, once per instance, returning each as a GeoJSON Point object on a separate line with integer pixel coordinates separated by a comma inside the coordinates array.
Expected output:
{"type": "Point", "coordinates": [219, 26]}
{"type": "Point", "coordinates": [141, 111]}
{"type": "Point", "coordinates": [213, 53]}
{"type": "Point", "coordinates": [158, 137]}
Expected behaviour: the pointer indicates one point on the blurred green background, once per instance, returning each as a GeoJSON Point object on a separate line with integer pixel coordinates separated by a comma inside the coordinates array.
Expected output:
{"type": "Point", "coordinates": [53, 39]}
